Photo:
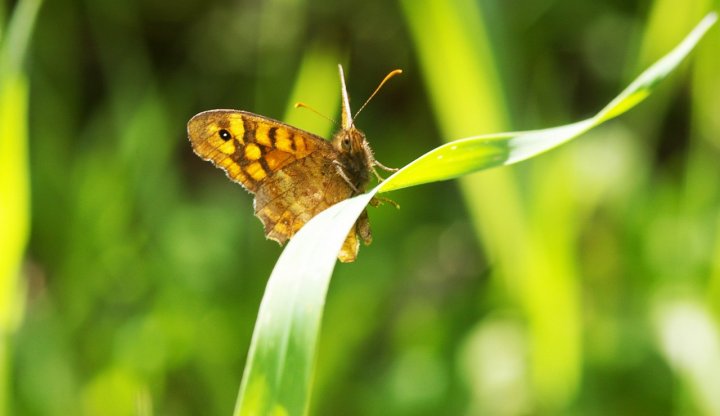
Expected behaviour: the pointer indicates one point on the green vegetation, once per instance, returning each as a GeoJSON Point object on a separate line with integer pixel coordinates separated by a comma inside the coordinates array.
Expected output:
{"type": "Point", "coordinates": [14, 181]}
{"type": "Point", "coordinates": [278, 375]}
{"type": "Point", "coordinates": [584, 281]}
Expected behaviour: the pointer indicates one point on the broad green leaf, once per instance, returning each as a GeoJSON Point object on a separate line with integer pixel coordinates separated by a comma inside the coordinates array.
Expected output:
{"type": "Point", "coordinates": [278, 374]}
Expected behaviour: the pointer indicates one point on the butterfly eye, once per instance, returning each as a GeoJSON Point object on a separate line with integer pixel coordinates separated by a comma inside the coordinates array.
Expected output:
{"type": "Point", "coordinates": [225, 135]}
{"type": "Point", "coordinates": [346, 143]}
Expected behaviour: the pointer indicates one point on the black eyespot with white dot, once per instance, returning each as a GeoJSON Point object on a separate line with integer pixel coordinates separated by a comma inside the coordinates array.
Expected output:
{"type": "Point", "coordinates": [225, 135]}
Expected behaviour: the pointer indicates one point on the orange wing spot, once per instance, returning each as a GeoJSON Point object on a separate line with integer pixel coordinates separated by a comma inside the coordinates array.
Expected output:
{"type": "Point", "coordinates": [283, 141]}
{"type": "Point", "coordinates": [227, 147]}
{"type": "Point", "coordinates": [210, 151]}
{"type": "Point", "coordinates": [256, 171]}
{"type": "Point", "coordinates": [281, 229]}
{"type": "Point", "coordinates": [237, 128]}
{"type": "Point", "coordinates": [252, 151]}
{"type": "Point", "coordinates": [234, 171]}
{"type": "Point", "coordinates": [261, 134]}
{"type": "Point", "coordinates": [276, 159]}
{"type": "Point", "coordinates": [300, 146]}
{"type": "Point", "coordinates": [297, 225]}
{"type": "Point", "coordinates": [225, 162]}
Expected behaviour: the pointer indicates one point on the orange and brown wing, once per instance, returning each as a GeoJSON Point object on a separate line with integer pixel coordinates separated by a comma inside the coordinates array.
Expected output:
{"type": "Point", "coordinates": [249, 148]}
{"type": "Point", "coordinates": [298, 192]}
{"type": "Point", "coordinates": [290, 171]}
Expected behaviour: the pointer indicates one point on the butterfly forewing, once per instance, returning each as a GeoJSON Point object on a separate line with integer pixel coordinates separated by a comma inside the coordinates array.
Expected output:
{"type": "Point", "coordinates": [290, 171]}
{"type": "Point", "coordinates": [249, 147]}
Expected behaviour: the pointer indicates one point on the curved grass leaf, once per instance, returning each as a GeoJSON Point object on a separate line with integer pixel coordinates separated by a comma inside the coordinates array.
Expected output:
{"type": "Point", "coordinates": [278, 373]}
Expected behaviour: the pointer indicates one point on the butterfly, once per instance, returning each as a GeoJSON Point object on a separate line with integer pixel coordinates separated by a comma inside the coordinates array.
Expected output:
{"type": "Point", "coordinates": [293, 174]}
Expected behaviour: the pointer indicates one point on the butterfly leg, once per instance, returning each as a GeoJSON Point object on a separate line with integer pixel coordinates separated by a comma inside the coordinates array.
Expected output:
{"type": "Point", "coordinates": [377, 175]}
{"type": "Point", "coordinates": [376, 201]}
{"type": "Point", "coordinates": [383, 167]}
{"type": "Point", "coordinates": [341, 172]}
{"type": "Point", "coordinates": [363, 228]}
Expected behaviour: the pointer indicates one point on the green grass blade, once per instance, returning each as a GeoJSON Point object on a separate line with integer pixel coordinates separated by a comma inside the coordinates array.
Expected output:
{"type": "Point", "coordinates": [643, 85]}
{"type": "Point", "coordinates": [472, 154]}
{"type": "Point", "coordinates": [278, 374]}
{"type": "Point", "coordinates": [14, 177]}
{"type": "Point", "coordinates": [14, 213]}
{"type": "Point", "coordinates": [17, 37]}
{"type": "Point", "coordinates": [268, 387]}
{"type": "Point", "coordinates": [464, 156]}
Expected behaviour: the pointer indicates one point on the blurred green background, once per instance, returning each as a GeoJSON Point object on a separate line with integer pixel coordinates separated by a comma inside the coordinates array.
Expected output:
{"type": "Point", "coordinates": [585, 281]}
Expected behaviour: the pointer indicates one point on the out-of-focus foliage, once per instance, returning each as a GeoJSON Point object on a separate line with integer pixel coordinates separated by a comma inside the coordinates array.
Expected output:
{"type": "Point", "coordinates": [14, 180]}
{"type": "Point", "coordinates": [279, 370]}
{"type": "Point", "coordinates": [586, 281]}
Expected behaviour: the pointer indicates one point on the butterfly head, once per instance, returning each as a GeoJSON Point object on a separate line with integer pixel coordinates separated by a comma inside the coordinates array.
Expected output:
{"type": "Point", "coordinates": [350, 141]}
{"type": "Point", "coordinates": [356, 157]}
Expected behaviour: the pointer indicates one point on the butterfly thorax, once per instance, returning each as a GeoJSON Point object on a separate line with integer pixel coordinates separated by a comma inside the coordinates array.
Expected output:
{"type": "Point", "coordinates": [355, 158]}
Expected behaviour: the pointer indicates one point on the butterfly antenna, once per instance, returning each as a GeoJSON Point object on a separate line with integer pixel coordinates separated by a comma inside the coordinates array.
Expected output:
{"type": "Point", "coordinates": [387, 77]}
{"type": "Point", "coordinates": [307, 107]}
